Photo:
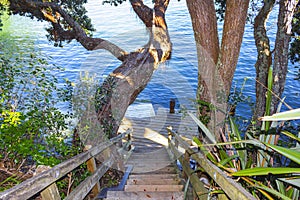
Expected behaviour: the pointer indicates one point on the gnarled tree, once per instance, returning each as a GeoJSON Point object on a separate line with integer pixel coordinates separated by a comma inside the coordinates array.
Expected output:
{"type": "Point", "coordinates": [69, 22]}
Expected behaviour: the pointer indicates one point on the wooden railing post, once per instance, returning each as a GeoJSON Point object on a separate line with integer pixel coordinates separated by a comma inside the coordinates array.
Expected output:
{"type": "Point", "coordinates": [92, 167]}
{"type": "Point", "coordinates": [129, 140]}
{"type": "Point", "coordinates": [51, 192]}
{"type": "Point", "coordinates": [169, 135]}
{"type": "Point", "coordinates": [186, 159]}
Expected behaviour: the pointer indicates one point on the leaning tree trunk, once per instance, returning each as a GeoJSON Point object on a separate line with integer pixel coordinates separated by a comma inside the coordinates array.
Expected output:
{"type": "Point", "coordinates": [123, 85]}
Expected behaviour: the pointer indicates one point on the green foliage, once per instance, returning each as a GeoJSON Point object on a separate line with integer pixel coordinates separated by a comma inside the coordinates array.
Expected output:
{"type": "Point", "coordinates": [32, 128]}
{"type": "Point", "coordinates": [258, 171]}
{"type": "Point", "coordinates": [113, 2]}
{"type": "Point", "coordinates": [283, 116]}
{"type": "Point", "coordinates": [235, 156]}
{"type": "Point", "coordinates": [253, 9]}
{"type": "Point", "coordinates": [75, 9]}
{"type": "Point", "coordinates": [102, 99]}
{"type": "Point", "coordinates": [237, 96]}
{"type": "Point", "coordinates": [206, 108]}
{"type": "Point", "coordinates": [88, 126]}
{"type": "Point", "coordinates": [72, 180]}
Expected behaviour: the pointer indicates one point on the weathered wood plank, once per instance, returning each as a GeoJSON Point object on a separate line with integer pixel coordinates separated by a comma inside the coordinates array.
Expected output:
{"type": "Point", "coordinates": [113, 195]}
{"type": "Point", "coordinates": [153, 188]}
{"type": "Point", "coordinates": [169, 181]}
{"type": "Point", "coordinates": [165, 170]}
{"type": "Point", "coordinates": [36, 184]}
{"type": "Point", "coordinates": [91, 166]}
{"type": "Point", "coordinates": [229, 186]}
{"type": "Point", "coordinates": [151, 176]}
{"type": "Point", "coordinates": [84, 188]}
{"type": "Point", "coordinates": [194, 179]}
{"type": "Point", "coordinates": [51, 193]}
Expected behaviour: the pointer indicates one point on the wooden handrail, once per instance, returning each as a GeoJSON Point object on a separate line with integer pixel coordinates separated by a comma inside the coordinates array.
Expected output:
{"type": "Point", "coordinates": [231, 188]}
{"type": "Point", "coordinates": [40, 182]}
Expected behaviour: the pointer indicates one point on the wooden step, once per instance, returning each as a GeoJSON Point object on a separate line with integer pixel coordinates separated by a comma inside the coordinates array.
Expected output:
{"type": "Point", "coordinates": [148, 158]}
{"type": "Point", "coordinates": [158, 165]}
{"type": "Point", "coordinates": [152, 170]}
{"type": "Point", "coordinates": [153, 176]}
{"type": "Point", "coordinates": [153, 188]}
{"type": "Point", "coordinates": [169, 181]}
{"type": "Point", "coordinates": [161, 151]}
{"type": "Point", "coordinates": [164, 170]}
{"type": "Point", "coordinates": [120, 195]}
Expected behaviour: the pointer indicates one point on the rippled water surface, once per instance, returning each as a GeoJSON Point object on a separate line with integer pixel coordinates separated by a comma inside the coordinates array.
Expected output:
{"type": "Point", "coordinates": [175, 79]}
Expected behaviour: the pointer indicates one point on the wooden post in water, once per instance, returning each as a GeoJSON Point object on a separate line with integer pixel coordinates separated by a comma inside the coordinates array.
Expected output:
{"type": "Point", "coordinates": [172, 105]}
{"type": "Point", "coordinates": [91, 166]}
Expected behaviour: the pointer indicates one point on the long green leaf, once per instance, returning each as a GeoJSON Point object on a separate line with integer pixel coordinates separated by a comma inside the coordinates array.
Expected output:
{"type": "Point", "coordinates": [275, 124]}
{"type": "Point", "coordinates": [269, 96]}
{"type": "Point", "coordinates": [204, 150]}
{"type": "Point", "coordinates": [228, 159]}
{"type": "Point", "coordinates": [234, 128]}
{"type": "Point", "coordinates": [290, 180]}
{"type": "Point", "coordinates": [260, 171]}
{"type": "Point", "coordinates": [283, 116]}
{"type": "Point", "coordinates": [291, 135]}
{"type": "Point", "coordinates": [210, 136]}
{"type": "Point", "coordinates": [280, 187]}
{"type": "Point", "coordinates": [274, 192]}
{"type": "Point", "coordinates": [291, 154]}
{"type": "Point", "coordinates": [186, 188]}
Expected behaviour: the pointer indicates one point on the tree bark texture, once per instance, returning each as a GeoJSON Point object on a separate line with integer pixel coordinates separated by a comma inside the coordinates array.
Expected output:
{"type": "Point", "coordinates": [233, 32]}
{"type": "Point", "coordinates": [216, 66]}
{"type": "Point", "coordinates": [283, 37]}
{"type": "Point", "coordinates": [123, 85]}
{"type": "Point", "coordinates": [264, 56]}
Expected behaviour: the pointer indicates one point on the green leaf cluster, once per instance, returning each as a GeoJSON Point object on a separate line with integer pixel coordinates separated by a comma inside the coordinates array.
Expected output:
{"type": "Point", "coordinates": [32, 128]}
{"type": "Point", "coordinates": [75, 9]}
{"type": "Point", "coordinates": [261, 176]}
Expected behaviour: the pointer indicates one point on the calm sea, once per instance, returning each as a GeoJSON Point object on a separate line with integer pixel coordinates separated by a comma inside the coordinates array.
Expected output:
{"type": "Point", "coordinates": [175, 79]}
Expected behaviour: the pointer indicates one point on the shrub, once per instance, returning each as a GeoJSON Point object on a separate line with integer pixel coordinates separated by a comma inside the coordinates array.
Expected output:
{"type": "Point", "coordinates": [32, 128]}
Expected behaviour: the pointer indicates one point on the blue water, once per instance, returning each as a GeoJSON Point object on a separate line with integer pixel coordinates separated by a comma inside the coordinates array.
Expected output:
{"type": "Point", "coordinates": [175, 79]}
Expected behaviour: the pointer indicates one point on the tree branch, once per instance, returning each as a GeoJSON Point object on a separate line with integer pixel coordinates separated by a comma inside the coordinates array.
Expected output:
{"type": "Point", "coordinates": [143, 12]}
{"type": "Point", "coordinates": [207, 23]}
{"type": "Point", "coordinates": [77, 31]}
{"type": "Point", "coordinates": [233, 31]}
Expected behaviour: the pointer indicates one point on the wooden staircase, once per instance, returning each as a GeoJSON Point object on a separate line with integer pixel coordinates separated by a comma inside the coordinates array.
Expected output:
{"type": "Point", "coordinates": [154, 175]}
